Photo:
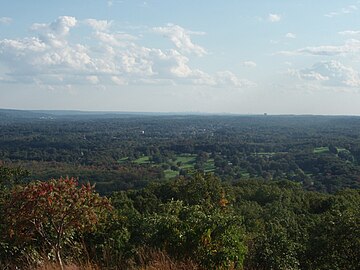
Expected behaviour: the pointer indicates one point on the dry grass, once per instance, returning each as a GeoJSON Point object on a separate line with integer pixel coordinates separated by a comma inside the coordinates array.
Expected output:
{"type": "Point", "coordinates": [158, 260]}
{"type": "Point", "coordinates": [146, 259]}
{"type": "Point", "coordinates": [53, 266]}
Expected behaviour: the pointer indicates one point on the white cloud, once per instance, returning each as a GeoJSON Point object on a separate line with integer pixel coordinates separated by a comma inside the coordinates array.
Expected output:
{"type": "Point", "coordinates": [118, 80]}
{"type": "Point", "coordinates": [110, 3]}
{"type": "Point", "coordinates": [59, 27]}
{"type": "Point", "coordinates": [349, 9]}
{"type": "Point", "coordinates": [290, 35]}
{"type": "Point", "coordinates": [98, 25]}
{"type": "Point", "coordinates": [346, 10]}
{"type": "Point", "coordinates": [51, 59]}
{"type": "Point", "coordinates": [229, 78]}
{"type": "Point", "coordinates": [351, 46]}
{"type": "Point", "coordinates": [115, 39]}
{"type": "Point", "coordinates": [5, 20]}
{"type": "Point", "coordinates": [93, 79]}
{"type": "Point", "coordinates": [349, 33]}
{"type": "Point", "coordinates": [181, 38]}
{"type": "Point", "coordinates": [274, 18]}
{"type": "Point", "coordinates": [330, 73]}
{"type": "Point", "coordinates": [249, 64]}
{"type": "Point", "coordinates": [308, 74]}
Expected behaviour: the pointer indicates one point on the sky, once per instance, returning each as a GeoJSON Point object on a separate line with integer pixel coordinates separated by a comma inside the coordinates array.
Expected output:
{"type": "Point", "coordinates": [228, 56]}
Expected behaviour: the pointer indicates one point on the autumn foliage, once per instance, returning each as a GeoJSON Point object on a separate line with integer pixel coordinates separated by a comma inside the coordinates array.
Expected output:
{"type": "Point", "coordinates": [53, 213]}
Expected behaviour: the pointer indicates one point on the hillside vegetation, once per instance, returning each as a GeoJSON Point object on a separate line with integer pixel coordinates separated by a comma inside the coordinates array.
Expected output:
{"type": "Point", "coordinates": [179, 192]}
{"type": "Point", "coordinates": [121, 152]}
{"type": "Point", "coordinates": [197, 221]}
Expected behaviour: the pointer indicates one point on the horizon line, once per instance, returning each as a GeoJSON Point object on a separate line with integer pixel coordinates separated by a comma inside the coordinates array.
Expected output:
{"type": "Point", "coordinates": [174, 113]}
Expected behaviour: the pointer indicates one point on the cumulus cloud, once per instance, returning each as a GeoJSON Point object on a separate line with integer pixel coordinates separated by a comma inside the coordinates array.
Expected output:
{"type": "Point", "coordinates": [98, 25]}
{"type": "Point", "coordinates": [350, 46]}
{"type": "Point", "coordinates": [224, 78]}
{"type": "Point", "coordinates": [114, 39]}
{"type": "Point", "coordinates": [346, 10]}
{"type": "Point", "coordinates": [274, 18]}
{"type": "Point", "coordinates": [249, 64]}
{"type": "Point", "coordinates": [111, 3]}
{"type": "Point", "coordinates": [93, 79]}
{"type": "Point", "coordinates": [330, 73]}
{"type": "Point", "coordinates": [181, 38]}
{"type": "Point", "coordinates": [349, 33]}
{"type": "Point", "coordinates": [5, 20]}
{"type": "Point", "coordinates": [106, 57]}
{"type": "Point", "coordinates": [290, 35]}
{"type": "Point", "coordinates": [119, 80]}
{"type": "Point", "coordinates": [58, 28]}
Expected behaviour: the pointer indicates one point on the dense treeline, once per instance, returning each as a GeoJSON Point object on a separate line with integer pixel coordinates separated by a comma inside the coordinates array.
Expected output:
{"type": "Point", "coordinates": [124, 152]}
{"type": "Point", "coordinates": [251, 224]}
{"type": "Point", "coordinates": [203, 192]}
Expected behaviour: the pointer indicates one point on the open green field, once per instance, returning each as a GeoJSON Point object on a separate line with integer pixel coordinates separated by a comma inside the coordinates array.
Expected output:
{"type": "Point", "coordinates": [182, 161]}
{"type": "Point", "coordinates": [321, 150]}
{"type": "Point", "coordinates": [123, 160]}
{"type": "Point", "coordinates": [209, 165]}
{"type": "Point", "coordinates": [245, 174]}
{"type": "Point", "coordinates": [325, 149]}
{"type": "Point", "coordinates": [143, 160]}
{"type": "Point", "coordinates": [265, 154]}
{"type": "Point", "coordinates": [187, 160]}
{"type": "Point", "coordinates": [268, 154]}
{"type": "Point", "coordinates": [170, 174]}
{"type": "Point", "coordinates": [340, 149]}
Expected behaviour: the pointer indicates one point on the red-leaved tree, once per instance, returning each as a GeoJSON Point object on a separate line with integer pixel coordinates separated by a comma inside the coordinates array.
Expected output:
{"type": "Point", "coordinates": [52, 212]}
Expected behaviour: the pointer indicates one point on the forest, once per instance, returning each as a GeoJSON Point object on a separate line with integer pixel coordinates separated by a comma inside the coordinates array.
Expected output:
{"type": "Point", "coordinates": [147, 191]}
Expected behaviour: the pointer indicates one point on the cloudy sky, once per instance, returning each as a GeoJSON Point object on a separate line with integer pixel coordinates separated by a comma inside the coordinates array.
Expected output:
{"type": "Point", "coordinates": [247, 57]}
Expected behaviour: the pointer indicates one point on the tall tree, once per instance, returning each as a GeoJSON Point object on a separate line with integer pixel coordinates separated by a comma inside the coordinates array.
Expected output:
{"type": "Point", "coordinates": [51, 213]}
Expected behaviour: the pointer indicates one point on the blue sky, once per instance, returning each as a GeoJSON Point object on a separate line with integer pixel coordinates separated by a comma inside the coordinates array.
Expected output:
{"type": "Point", "coordinates": [248, 57]}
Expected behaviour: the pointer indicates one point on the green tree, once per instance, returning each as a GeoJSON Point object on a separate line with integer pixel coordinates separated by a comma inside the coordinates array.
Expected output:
{"type": "Point", "coordinates": [8, 177]}
{"type": "Point", "coordinates": [11, 176]}
{"type": "Point", "coordinates": [335, 237]}
{"type": "Point", "coordinates": [214, 239]}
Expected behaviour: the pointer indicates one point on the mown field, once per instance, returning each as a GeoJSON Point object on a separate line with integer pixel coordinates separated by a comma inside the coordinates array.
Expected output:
{"type": "Point", "coordinates": [180, 162]}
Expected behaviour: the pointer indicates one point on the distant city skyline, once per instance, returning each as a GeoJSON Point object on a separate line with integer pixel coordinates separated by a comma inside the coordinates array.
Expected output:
{"type": "Point", "coordinates": [240, 57]}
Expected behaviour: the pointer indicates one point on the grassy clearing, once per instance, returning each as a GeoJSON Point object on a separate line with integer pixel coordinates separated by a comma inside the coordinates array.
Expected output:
{"type": "Point", "coordinates": [209, 165]}
{"type": "Point", "coordinates": [340, 149]}
{"type": "Point", "coordinates": [185, 159]}
{"type": "Point", "coordinates": [321, 150]}
{"type": "Point", "coordinates": [123, 160]}
{"type": "Point", "coordinates": [325, 149]}
{"type": "Point", "coordinates": [143, 160]}
{"type": "Point", "coordinates": [188, 162]}
{"type": "Point", "coordinates": [170, 174]}
{"type": "Point", "coordinates": [182, 161]}
{"type": "Point", "coordinates": [269, 154]}
{"type": "Point", "coordinates": [245, 174]}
